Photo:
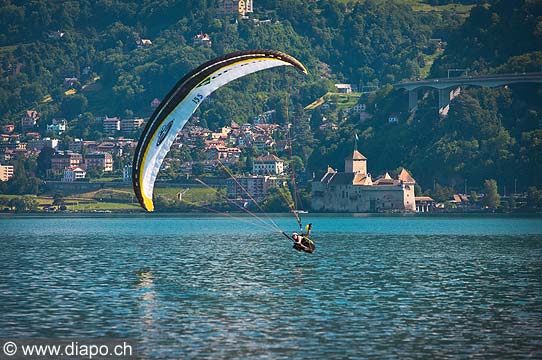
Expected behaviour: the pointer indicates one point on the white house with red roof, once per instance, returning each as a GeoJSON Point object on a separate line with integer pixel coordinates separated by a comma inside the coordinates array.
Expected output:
{"type": "Point", "coordinates": [268, 164]}
{"type": "Point", "coordinates": [73, 173]}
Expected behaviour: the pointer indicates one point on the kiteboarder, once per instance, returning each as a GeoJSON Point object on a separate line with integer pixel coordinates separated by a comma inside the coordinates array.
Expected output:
{"type": "Point", "coordinates": [302, 241]}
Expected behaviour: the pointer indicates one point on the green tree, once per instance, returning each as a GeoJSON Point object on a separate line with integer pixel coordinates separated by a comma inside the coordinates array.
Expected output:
{"type": "Point", "coordinates": [161, 203]}
{"type": "Point", "coordinates": [492, 198]}
{"type": "Point", "coordinates": [23, 180]}
{"type": "Point", "coordinates": [276, 200]}
{"type": "Point", "coordinates": [58, 199]}
{"type": "Point", "coordinates": [73, 105]}
{"type": "Point", "coordinates": [30, 203]}
{"type": "Point", "coordinates": [17, 204]}
{"type": "Point", "coordinates": [23, 203]}
{"type": "Point", "coordinates": [474, 196]}
{"type": "Point", "coordinates": [197, 168]}
{"type": "Point", "coordinates": [534, 197]}
{"type": "Point", "coordinates": [44, 161]}
{"type": "Point", "coordinates": [441, 193]}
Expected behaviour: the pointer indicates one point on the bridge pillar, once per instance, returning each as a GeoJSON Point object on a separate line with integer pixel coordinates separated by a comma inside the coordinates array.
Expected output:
{"type": "Point", "coordinates": [412, 100]}
{"type": "Point", "coordinates": [445, 97]}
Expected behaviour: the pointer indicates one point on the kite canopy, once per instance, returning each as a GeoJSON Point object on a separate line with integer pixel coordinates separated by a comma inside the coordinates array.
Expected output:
{"type": "Point", "coordinates": [181, 102]}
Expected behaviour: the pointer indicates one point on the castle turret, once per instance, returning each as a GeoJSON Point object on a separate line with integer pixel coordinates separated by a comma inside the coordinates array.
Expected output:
{"type": "Point", "coordinates": [406, 178]}
{"type": "Point", "coordinates": [355, 163]}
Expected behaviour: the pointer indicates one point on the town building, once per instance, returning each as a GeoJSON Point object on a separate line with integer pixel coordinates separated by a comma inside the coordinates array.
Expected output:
{"type": "Point", "coordinates": [203, 40]}
{"type": "Point", "coordinates": [6, 154]}
{"type": "Point", "coordinates": [69, 82]}
{"type": "Point", "coordinates": [29, 119]}
{"type": "Point", "coordinates": [111, 125]}
{"type": "Point", "coordinates": [354, 190]}
{"type": "Point", "coordinates": [73, 173]}
{"type": "Point", "coordinates": [257, 186]}
{"type": "Point", "coordinates": [328, 125]}
{"type": "Point", "coordinates": [130, 125]}
{"type": "Point", "coordinates": [265, 118]}
{"type": "Point", "coordinates": [100, 161]}
{"type": "Point", "coordinates": [460, 201]}
{"type": "Point", "coordinates": [268, 164]}
{"type": "Point", "coordinates": [424, 204]}
{"type": "Point", "coordinates": [393, 118]}
{"type": "Point", "coordinates": [56, 34]}
{"type": "Point", "coordinates": [64, 159]}
{"type": "Point", "coordinates": [263, 143]}
{"type": "Point", "coordinates": [6, 172]}
{"type": "Point", "coordinates": [106, 147]}
{"type": "Point", "coordinates": [358, 108]}
{"type": "Point", "coordinates": [58, 126]}
{"type": "Point", "coordinates": [234, 8]}
{"type": "Point", "coordinates": [33, 135]}
{"type": "Point", "coordinates": [75, 145]}
{"type": "Point", "coordinates": [8, 128]}
{"type": "Point", "coordinates": [344, 88]}
{"type": "Point", "coordinates": [89, 146]}
{"type": "Point", "coordinates": [143, 42]}
{"type": "Point", "coordinates": [127, 173]}
{"type": "Point", "coordinates": [39, 144]}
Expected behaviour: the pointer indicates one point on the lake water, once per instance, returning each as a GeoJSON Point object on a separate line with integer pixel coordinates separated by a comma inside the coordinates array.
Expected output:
{"type": "Point", "coordinates": [211, 287]}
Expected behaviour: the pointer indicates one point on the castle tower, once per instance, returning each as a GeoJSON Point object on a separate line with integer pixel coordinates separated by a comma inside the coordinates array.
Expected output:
{"type": "Point", "coordinates": [355, 163]}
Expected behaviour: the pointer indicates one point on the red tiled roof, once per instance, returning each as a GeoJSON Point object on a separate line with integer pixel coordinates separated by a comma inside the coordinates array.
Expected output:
{"type": "Point", "coordinates": [268, 157]}
{"type": "Point", "coordinates": [406, 177]}
{"type": "Point", "coordinates": [356, 155]}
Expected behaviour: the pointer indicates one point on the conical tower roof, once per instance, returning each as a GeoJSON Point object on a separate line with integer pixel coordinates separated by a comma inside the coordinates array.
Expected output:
{"type": "Point", "coordinates": [356, 155]}
{"type": "Point", "coordinates": [406, 177]}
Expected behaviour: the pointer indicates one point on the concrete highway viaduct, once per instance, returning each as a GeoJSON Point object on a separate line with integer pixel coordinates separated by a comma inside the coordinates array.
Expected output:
{"type": "Point", "coordinates": [449, 88]}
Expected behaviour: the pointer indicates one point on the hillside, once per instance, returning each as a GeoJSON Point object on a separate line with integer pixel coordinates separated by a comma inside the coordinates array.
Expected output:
{"type": "Point", "coordinates": [87, 41]}
{"type": "Point", "coordinates": [369, 44]}
{"type": "Point", "coordinates": [488, 133]}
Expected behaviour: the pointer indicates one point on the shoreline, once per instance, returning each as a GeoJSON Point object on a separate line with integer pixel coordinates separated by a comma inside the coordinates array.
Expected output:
{"type": "Point", "coordinates": [142, 214]}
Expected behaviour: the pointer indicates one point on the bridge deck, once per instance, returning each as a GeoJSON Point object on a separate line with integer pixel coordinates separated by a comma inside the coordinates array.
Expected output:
{"type": "Point", "coordinates": [485, 80]}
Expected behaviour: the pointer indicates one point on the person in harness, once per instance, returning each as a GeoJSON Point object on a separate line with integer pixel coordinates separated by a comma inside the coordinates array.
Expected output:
{"type": "Point", "coordinates": [302, 241]}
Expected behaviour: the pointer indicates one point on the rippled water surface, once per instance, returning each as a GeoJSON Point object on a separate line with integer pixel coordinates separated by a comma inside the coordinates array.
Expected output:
{"type": "Point", "coordinates": [199, 287]}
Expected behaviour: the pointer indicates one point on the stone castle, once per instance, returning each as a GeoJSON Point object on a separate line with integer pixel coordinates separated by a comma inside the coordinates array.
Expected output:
{"type": "Point", "coordinates": [355, 191]}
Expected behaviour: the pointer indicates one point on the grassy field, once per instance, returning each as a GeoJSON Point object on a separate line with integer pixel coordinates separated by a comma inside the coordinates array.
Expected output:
{"type": "Point", "coordinates": [421, 5]}
{"type": "Point", "coordinates": [429, 59]}
{"type": "Point", "coordinates": [340, 100]}
{"type": "Point", "coordinates": [192, 195]}
{"type": "Point", "coordinates": [455, 8]}
{"type": "Point", "coordinates": [42, 200]}
{"type": "Point", "coordinates": [9, 48]}
{"type": "Point", "coordinates": [104, 206]}
{"type": "Point", "coordinates": [123, 199]}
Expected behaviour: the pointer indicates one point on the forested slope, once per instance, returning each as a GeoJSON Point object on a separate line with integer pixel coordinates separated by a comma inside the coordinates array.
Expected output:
{"type": "Point", "coordinates": [489, 133]}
